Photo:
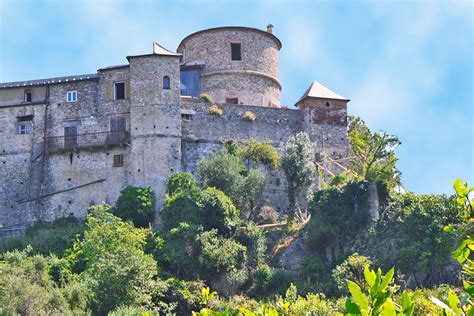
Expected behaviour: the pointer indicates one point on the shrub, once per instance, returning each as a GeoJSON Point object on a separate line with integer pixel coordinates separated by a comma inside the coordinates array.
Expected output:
{"type": "Point", "coordinates": [119, 271]}
{"type": "Point", "coordinates": [219, 212]}
{"type": "Point", "coordinates": [228, 173]}
{"type": "Point", "coordinates": [206, 98]}
{"type": "Point", "coordinates": [249, 116]}
{"type": "Point", "coordinates": [137, 205]}
{"type": "Point", "coordinates": [181, 250]}
{"type": "Point", "coordinates": [279, 282]}
{"type": "Point", "coordinates": [220, 253]}
{"type": "Point", "coordinates": [254, 239]}
{"type": "Point", "coordinates": [258, 152]}
{"type": "Point", "coordinates": [216, 110]}
{"type": "Point", "coordinates": [221, 170]}
{"type": "Point", "coordinates": [246, 195]}
{"type": "Point", "coordinates": [352, 269]}
{"type": "Point", "coordinates": [182, 207]}
{"type": "Point", "coordinates": [313, 269]}
{"type": "Point", "coordinates": [339, 215]}
{"type": "Point", "coordinates": [26, 287]}
{"type": "Point", "coordinates": [46, 237]}
{"type": "Point", "coordinates": [180, 182]}
{"type": "Point", "coordinates": [412, 226]}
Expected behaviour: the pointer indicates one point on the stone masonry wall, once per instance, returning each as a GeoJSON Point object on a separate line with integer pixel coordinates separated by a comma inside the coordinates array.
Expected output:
{"type": "Point", "coordinates": [221, 74]}
{"type": "Point", "coordinates": [155, 123]}
{"type": "Point", "coordinates": [205, 133]}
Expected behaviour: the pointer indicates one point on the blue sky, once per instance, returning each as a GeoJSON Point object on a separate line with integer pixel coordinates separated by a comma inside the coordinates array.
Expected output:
{"type": "Point", "coordinates": [407, 66]}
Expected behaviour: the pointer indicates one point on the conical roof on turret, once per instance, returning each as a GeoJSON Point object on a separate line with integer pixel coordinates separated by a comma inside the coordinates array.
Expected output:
{"type": "Point", "coordinates": [317, 90]}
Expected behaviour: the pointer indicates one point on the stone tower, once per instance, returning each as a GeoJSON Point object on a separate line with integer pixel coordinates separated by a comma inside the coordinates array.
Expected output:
{"type": "Point", "coordinates": [155, 121]}
{"type": "Point", "coordinates": [233, 65]}
{"type": "Point", "coordinates": [325, 119]}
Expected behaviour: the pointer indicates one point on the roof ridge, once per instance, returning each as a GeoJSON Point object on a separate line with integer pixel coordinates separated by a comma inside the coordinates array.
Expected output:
{"type": "Point", "coordinates": [44, 81]}
{"type": "Point", "coordinates": [318, 90]}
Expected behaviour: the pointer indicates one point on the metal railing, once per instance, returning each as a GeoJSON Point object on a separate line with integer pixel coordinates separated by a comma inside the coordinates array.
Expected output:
{"type": "Point", "coordinates": [88, 140]}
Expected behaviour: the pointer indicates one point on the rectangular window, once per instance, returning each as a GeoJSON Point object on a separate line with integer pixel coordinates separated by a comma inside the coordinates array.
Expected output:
{"type": "Point", "coordinates": [236, 51]}
{"type": "Point", "coordinates": [119, 90]}
{"type": "Point", "coordinates": [232, 100]}
{"type": "Point", "coordinates": [25, 124]}
{"type": "Point", "coordinates": [118, 161]}
{"type": "Point", "coordinates": [190, 84]}
{"type": "Point", "coordinates": [187, 117]}
{"type": "Point", "coordinates": [71, 96]}
{"type": "Point", "coordinates": [24, 128]}
{"type": "Point", "coordinates": [28, 96]}
{"type": "Point", "coordinates": [118, 124]}
{"type": "Point", "coordinates": [70, 136]}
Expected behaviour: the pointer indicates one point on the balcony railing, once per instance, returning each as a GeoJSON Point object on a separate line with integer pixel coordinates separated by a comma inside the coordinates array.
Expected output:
{"type": "Point", "coordinates": [88, 140]}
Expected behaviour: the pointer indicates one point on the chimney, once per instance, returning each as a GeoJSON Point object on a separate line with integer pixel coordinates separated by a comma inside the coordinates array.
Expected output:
{"type": "Point", "coordinates": [270, 28]}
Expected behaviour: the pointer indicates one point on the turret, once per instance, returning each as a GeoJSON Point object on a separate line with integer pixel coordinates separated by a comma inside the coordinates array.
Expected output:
{"type": "Point", "coordinates": [325, 119]}
{"type": "Point", "coordinates": [155, 126]}
{"type": "Point", "coordinates": [232, 64]}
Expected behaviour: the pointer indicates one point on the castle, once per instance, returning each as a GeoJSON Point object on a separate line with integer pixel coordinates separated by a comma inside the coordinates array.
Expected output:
{"type": "Point", "coordinates": [69, 142]}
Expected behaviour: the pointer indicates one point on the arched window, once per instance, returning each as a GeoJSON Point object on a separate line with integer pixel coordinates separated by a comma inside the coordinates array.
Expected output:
{"type": "Point", "coordinates": [166, 82]}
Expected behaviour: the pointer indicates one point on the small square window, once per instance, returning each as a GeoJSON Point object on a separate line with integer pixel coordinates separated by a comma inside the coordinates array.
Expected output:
{"type": "Point", "coordinates": [28, 96]}
{"type": "Point", "coordinates": [24, 128]}
{"type": "Point", "coordinates": [186, 117]}
{"type": "Point", "coordinates": [71, 96]}
{"type": "Point", "coordinates": [232, 100]}
{"type": "Point", "coordinates": [119, 90]}
{"type": "Point", "coordinates": [236, 51]}
{"type": "Point", "coordinates": [118, 161]}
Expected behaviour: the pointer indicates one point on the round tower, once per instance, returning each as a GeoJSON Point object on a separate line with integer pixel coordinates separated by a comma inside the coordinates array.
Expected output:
{"type": "Point", "coordinates": [232, 64]}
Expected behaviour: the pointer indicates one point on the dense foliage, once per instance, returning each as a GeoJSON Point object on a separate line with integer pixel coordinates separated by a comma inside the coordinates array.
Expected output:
{"type": "Point", "coordinates": [118, 265]}
{"type": "Point", "coordinates": [137, 205]}
{"type": "Point", "coordinates": [259, 152]}
{"type": "Point", "coordinates": [297, 161]}
{"type": "Point", "coordinates": [225, 171]}
{"type": "Point", "coordinates": [46, 237]}
{"type": "Point", "coordinates": [374, 157]}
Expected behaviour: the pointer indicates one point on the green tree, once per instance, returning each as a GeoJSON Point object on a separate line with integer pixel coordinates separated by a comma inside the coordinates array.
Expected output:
{"type": "Point", "coordinates": [226, 171]}
{"type": "Point", "coordinates": [115, 264]}
{"type": "Point", "coordinates": [374, 153]}
{"type": "Point", "coordinates": [297, 161]}
{"type": "Point", "coordinates": [137, 205]}
{"type": "Point", "coordinates": [257, 152]}
{"type": "Point", "coordinates": [26, 287]}
{"type": "Point", "coordinates": [351, 269]}
{"type": "Point", "coordinates": [221, 170]}
{"type": "Point", "coordinates": [209, 208]}
{"type": "Point", "coordinates": [182, 181]}
{"type": "Point", "coordinates": [219, 212]}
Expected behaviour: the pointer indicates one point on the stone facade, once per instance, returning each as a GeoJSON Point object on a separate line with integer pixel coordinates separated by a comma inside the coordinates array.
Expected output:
{"type": "Point", "coordinates": [69, 142]}
{"type": "Point", "coordinates": [252, 80]}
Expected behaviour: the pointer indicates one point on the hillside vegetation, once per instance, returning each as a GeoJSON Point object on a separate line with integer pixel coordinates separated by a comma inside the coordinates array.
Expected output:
{"type": "Point", "coordinates": [218, 249]}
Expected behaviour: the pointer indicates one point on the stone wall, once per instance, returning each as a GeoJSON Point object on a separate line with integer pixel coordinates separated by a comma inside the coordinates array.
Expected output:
{"type": "Point", "coordinates": [155, 151]}
{"type": "Point", "coordinates": [205, 133]}
{"type": "Point", "coordinates": [253, 80]}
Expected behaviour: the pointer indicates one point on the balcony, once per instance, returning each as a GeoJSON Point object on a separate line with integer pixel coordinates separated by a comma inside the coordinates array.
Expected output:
{"type": "Point", "coordinates": [87, 141]}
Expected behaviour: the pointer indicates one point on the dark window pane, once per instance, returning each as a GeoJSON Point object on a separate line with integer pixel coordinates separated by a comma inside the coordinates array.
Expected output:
{"type": "Point", "coordinates": [120, 90]}
{"type": "Point", "coordinates": [232, 100]}
{"type": "Point", "coordinates": [28, 96]}
{"type": "Point", "coordinates": [190, 82]}
{"type": "Point", "coordinates": [166, 82]}
{"type": "Point", "coordinates": [236, 51]}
